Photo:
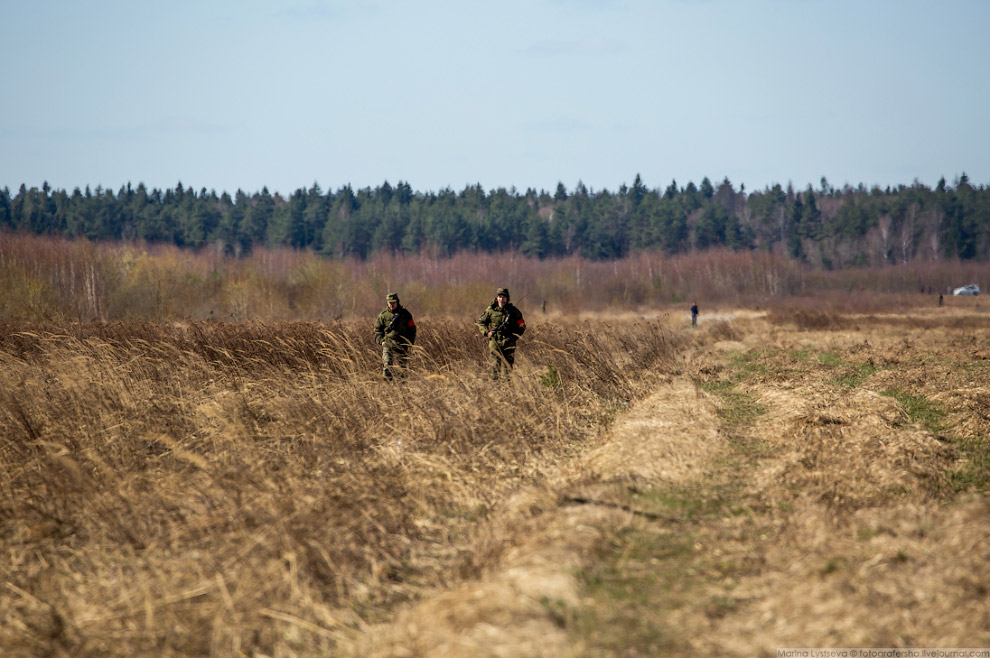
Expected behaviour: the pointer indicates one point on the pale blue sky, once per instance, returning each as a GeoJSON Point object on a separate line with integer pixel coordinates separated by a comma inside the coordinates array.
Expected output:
{"type": "Point", "coordinates": [241, 94]}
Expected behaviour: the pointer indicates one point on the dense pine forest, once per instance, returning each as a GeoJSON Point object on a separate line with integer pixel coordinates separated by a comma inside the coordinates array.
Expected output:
{"type": "Point", "coordinates": [826, 227]}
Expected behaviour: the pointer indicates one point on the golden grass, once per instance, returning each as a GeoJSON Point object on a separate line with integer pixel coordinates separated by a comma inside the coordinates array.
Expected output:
{"type": "Point", "coordinates": [637, 487]}
{"type": "Point", "coordinates": [228, 489]}
{"type": "Point", "coordinates": [845, 513]}
{"type": "Point", "coordinates": [523, 600]}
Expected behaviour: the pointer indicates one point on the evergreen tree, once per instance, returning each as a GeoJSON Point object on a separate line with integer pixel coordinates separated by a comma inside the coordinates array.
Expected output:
{"type": "Point", "coordinates": [672, 226]}
{"type": "Point", "coordinates": [404, 193]}
{"type": "Point", "coordinates": [6, 214]}
{"type": "Point", "coordinates": [256, 220]}
{"type": "Point", "coordinates": [384, 193]}
{"type": "Point", "coordinates": [334, 231]}
{"type": "Point", "coordinates": [726, 196]}
{"type": "Point", "coordinates": [391, 229]}
{"type": "Point", "coordinates": [691, 198]}
{"type": "Point", "coordinates": [315, 217]}
{"type": "Point", "coordinates": [413, 238]}
{"type": "Point", "coordinates": [231, 223]}
{"type": "Point", "coordinates": [671, 192]}
{"type": "Point", "coordinates": [638, 191]}
{"type": "Point", "coordinates": [794, 246]}
{"type": "Point", "coordinates": [207, 216]}
{"type": "Point", "coordinates": [537, 242]}
{"type": "Point", "coordinates": [707, 191]}
{"type": "Point", "coordinates": [710, 230]}
{"type": "Point", "coordinates": [902, 221]}
{"type": "Point", "coordinates": [809, 223]}
{"type": "Point", "coordinates": [288, 225]}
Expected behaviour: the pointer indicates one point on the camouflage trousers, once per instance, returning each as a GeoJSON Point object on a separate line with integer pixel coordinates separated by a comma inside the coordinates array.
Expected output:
{"type": "Point", "coordinates": [393, 361]}
{"type": "Point", "coordinates": [502, 357]}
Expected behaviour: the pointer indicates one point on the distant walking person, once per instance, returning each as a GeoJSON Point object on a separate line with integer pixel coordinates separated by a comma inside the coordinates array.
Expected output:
{"type": "Point", "coordinates": [694, 314]}
{"type": "Point", "coordinates": [395, 331]}
{"type": "Point", "coordinates": [503, 324]}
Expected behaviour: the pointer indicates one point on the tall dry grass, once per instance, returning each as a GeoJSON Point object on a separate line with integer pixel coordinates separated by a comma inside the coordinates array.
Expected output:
{"type": "Point", "coordinates": [255, 488]}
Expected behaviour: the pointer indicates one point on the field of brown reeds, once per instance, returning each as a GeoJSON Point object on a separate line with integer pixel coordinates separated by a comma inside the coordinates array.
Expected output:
{"type": "Point", "coordinates": [214, 488]}
{"type": "Point", "coordinates": [198, 457]}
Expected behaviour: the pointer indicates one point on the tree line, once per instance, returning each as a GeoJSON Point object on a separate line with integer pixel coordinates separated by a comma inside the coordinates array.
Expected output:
{"type": "Point", "coordinates": [825, 227]}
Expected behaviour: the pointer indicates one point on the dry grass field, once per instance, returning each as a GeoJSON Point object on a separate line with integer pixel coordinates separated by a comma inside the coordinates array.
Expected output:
{"type": "Point", "coordinates": [799, 476]}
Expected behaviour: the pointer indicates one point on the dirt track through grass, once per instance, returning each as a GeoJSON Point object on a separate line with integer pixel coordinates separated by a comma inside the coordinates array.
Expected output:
{"type": "Point", "coordinates": [525, 606]}
{"type": "Point", "coordinates": [814, 480]}
{"type": "Point", "coordinates": [848, 508]}
{"type": "Point", "coordinates": [801, 489]}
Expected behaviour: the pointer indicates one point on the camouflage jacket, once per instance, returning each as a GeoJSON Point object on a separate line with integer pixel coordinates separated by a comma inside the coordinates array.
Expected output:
{"type": "Point", "coordinates": [395, 328]}
{"type": "Point", "coordinates": [507, 322]}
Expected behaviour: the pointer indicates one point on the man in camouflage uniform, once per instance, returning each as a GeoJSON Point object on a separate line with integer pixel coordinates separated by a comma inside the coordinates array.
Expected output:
{"type": "Point", "coordinates": [503, 324]}
{"type": "Point", "coordinates": [395, 331]}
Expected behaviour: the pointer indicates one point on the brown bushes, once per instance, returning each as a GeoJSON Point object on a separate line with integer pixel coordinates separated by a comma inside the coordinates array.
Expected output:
{"type": "Point", "coordinates": [46, 278]}
{"type": "Point", "coordinates": [807, 319]}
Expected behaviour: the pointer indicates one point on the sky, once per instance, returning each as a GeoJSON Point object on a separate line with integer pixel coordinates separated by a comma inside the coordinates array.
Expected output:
{"type": "Point", "coordinates": [233, 95]}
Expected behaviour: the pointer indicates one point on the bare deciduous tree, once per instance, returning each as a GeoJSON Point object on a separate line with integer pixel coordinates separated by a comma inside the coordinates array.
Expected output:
{"type": "Point", "coordinates": [881, 241]}
{"type": "Point", "coordinates": [908, 231]}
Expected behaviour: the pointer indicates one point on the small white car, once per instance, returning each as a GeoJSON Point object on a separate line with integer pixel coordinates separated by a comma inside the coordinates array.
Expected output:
{"type": "Point", "coordinates": [971, 289]}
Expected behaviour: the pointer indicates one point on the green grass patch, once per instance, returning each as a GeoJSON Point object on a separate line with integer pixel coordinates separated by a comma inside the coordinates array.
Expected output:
{"type": "Point", "coordinates": [749, 364]}
{"type": "Point", "coordinates": [857, 375]}
{"type": "Point", "coordinates": [654, 568]}
{"type": "Point", "coordinates": [737, 409]}
{"type": "Point", "coordinates": [930, 415]}
{"type": "Point", "coordinates": [627, 596]}
{"type": "Point", "coordinates": [834, 564]}
{"type": "Point", "coordinates": [972, 471]}
{"type": "Point", "coordinates": [681, 505]}
{"type": "Point", "coordinates": [550, 378]}
{"type": "Point", "coordinates": [830, 359]}
{"type": "Point", "coordinates": [651, 570]}
{"type": "Point", "coordinates": [973, 474]}
{"type": "Point", "coordinates": [866, 534]}
{"type": "Point", "coordinates": [975, 366]}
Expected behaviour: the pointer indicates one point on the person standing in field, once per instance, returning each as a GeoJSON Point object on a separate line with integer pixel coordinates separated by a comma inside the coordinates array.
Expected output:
{"type": "Point", "coordinates": [395, 331]}
{"type": "Point", "coordinates": [694, 314]}
{"type": "Point", "coordinates": [502, 324]}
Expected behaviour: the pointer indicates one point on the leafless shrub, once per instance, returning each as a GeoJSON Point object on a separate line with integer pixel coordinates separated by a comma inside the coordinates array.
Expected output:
{"type": "Point", "coordinates": [50, 278]}
{"type": "Point", "coordinates": [803, 319]}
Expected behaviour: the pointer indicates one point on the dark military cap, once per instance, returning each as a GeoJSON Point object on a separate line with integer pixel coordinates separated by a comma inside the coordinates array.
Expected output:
{"type": "Point", "coordinates": [392, 297]}
{"type": "Point", "coordinates": [503, 291]}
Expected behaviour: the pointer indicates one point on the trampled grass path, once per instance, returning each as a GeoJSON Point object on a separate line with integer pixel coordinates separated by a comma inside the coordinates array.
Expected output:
{"type": "Point", "coordinates": [795, 486]}
{"type": "Point", "coordinates": [528, 604]}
